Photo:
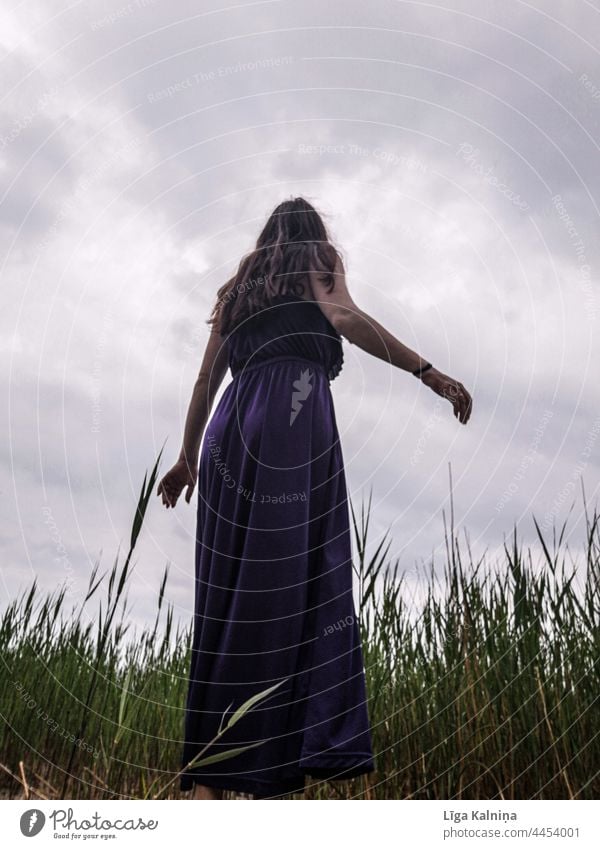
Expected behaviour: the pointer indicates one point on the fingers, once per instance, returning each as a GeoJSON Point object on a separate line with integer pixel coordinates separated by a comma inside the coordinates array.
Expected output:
{"type": "Point", "coordinates": [461, 401]}
{"type": "Point", "coordinates": [190, 490]}
{"type": "Point", "coordinates": [459, 408]}
{"type": "Point", "coordinates": [171, 487]}
{"type": "Point", "coordinates": [468, 408]}
{"type": "Point", "coordinates": [464, 405]}
{"type": "Point", "coordinates": [467, 403]}
{"type": "Point", "coordinates": [169, 496]}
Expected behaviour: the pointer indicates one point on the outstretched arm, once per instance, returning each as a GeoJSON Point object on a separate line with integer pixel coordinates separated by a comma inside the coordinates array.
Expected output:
{"type": "Point", "coordinates": [185, 471]}
{"type": "Point", "coordinates": [361, 329]}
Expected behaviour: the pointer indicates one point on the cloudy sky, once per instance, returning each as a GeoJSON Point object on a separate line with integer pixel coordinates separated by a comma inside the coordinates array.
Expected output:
{"type": "Point", "coordinates": [452, 147]}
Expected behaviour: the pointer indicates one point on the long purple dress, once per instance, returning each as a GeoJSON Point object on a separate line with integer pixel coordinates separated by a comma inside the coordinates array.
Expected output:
{"type": "Point", "coordinates": [273, 598]}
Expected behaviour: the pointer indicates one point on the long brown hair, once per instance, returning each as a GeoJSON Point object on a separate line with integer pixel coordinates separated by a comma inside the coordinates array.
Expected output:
{"type": "Point", "coordinates": [293, 242]}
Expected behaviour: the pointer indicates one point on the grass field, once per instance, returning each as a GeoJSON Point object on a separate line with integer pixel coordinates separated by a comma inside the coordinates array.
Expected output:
{"type": "Point", "coordinates": [486, 689]}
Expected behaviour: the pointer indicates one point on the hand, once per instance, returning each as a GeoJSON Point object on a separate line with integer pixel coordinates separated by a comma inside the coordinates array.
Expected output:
{"type": "Point", "coordinates": [451, 389]}
{"type": "Point", "coordinates": [180, 476]}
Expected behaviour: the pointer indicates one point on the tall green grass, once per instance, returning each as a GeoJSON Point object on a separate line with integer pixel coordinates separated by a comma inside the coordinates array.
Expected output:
{"type": "Point", "coordinates": [491, 688]}
{"type": "Point", "coordinates": [487, 688]}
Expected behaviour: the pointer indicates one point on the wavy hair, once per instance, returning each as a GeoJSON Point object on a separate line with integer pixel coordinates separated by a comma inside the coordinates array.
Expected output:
{"type": "Point", "coordinates": [293, 242]}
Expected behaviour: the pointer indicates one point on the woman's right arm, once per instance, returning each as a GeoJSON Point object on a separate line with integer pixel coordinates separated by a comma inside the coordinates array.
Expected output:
{"type": "Point", "coordinates": [361, 329]}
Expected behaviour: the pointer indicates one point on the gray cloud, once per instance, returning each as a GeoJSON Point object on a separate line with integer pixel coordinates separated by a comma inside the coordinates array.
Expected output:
{"type": "Point", "coordinates": [171, 132]}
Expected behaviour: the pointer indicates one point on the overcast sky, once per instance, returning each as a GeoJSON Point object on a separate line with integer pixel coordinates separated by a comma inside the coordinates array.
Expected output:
{"type": "Point", "coordinates": [453, 148]}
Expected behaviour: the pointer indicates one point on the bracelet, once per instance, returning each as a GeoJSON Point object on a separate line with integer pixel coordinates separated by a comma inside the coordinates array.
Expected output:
{"type": "Point", "coordinates": [422, 369]}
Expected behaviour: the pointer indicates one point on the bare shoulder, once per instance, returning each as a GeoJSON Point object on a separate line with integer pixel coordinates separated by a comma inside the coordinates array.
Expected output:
{"type": "Point", "coordinates": [337, 305]}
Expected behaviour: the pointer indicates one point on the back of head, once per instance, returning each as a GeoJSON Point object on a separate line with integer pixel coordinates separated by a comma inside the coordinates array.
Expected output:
{"type": "Point", "coordinates": [293, 242]}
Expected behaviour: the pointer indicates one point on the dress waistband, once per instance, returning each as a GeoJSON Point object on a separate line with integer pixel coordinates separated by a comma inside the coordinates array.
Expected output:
{"type": "Point", "coordinates": [279, 359]}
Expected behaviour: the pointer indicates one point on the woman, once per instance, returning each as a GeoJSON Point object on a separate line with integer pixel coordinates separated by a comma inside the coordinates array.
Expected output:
{"type": "Point", "coordinates": [273, 602]}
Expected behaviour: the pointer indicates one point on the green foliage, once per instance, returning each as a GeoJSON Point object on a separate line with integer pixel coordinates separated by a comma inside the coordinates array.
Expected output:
{"type": "Point", "coordinates": [486, 687]}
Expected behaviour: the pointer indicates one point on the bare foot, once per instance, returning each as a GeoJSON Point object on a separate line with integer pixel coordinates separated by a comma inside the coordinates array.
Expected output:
{"type": "Point", "coordinates": [201, 791]}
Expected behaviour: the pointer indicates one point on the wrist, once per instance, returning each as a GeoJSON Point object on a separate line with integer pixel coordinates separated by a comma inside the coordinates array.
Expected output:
{"type": "Point", "coordinates": [424, 368]}
{"type": "Point", "coordinates": [189, 458]}
{"type": "Point", "coordinates": [429, 374]}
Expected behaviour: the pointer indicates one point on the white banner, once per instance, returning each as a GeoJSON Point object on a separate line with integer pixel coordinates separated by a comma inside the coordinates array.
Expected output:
{"type": "Point", "coordinates": [300, 824]}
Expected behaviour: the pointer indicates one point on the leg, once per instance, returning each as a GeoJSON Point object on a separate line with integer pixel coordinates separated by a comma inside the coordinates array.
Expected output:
{"type": "Point", "coordinates": [202, 791]}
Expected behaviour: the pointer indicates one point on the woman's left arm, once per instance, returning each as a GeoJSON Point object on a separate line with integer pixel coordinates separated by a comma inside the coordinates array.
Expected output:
{"type": "Point", "coordinates": [185, 471]}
